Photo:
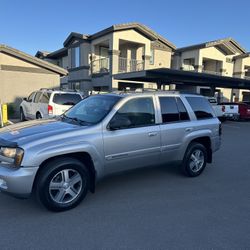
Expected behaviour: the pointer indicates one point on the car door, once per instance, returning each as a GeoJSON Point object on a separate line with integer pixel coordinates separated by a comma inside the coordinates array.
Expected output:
{"type": "Point", "coordinates": [136, 143]}
{"type": "Point", "coordinates": [174, 127]}
{"type": "Point", "coordinates": [27, 105]}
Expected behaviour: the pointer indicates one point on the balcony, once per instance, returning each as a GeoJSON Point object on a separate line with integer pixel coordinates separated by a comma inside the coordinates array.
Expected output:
{"type": "Point", "coordinates": [130, 65]}
{"type": "Point", "coordinates": [211, 72]}
{"type": "Point", "coordinates": [100, 66]}
{"type": "Point", "coordinates": [188, 67]}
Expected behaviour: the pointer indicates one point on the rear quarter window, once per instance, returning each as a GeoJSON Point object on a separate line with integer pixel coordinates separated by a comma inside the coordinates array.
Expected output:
{"type": "Point", "coordinates": [201, 107]}
{"type": "Point", "coordinates": [45, 98]}
{"type": "Point", "coordinates": [66, 99]}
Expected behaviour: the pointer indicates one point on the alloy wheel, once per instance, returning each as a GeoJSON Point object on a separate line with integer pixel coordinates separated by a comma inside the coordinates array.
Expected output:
{"type": "Point", "coordinates": [197, 160]}
{"type": "Point", "coordinates": [66, 186]}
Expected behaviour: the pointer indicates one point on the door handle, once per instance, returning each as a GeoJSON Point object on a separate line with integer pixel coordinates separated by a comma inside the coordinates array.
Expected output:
{"type": "Point", "coordinates": [150, 134]}
{"type": "Point", "coordinates": [189, 129]}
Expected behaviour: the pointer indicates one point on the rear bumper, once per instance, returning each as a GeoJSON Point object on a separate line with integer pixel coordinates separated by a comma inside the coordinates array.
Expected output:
{"type": "Point", "coordinates": [231, 115]}
{"type": "Point", "coordinates": [17, 182]}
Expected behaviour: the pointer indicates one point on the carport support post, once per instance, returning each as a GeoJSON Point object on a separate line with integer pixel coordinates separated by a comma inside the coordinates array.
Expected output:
{"type": "Point", "coordinates": [159, 85]}
{"type": "Point", "coordinates": [212, 90]}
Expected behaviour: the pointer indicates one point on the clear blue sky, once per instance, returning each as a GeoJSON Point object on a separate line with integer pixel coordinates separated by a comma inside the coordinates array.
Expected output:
{"type": "Point", "coordinates": [31, 25]}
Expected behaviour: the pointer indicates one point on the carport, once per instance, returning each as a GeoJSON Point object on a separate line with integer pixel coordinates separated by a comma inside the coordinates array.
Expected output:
{"type": "Point", "coordinates": [165, 76]}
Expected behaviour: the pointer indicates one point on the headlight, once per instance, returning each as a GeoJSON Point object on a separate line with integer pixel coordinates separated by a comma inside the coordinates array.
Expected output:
{"type": "Point", "coordinates": [15, 155]}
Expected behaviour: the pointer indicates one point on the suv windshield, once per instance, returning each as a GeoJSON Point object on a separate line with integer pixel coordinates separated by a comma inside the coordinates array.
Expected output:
{"type": "Point", "coordinates": [92, 109]}
{"type": "Point", "coordinates": [66, 99]}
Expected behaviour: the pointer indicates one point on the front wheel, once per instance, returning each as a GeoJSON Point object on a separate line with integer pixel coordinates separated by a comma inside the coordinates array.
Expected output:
{"type": "Point", "coordinates": [195, 160]}
{"type": "Point", "coordinates": [62, 184]}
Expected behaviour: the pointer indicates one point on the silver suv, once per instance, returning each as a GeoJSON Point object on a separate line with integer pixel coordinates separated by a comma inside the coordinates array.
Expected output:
{"type": "Point", "coordinates": [61, 159]}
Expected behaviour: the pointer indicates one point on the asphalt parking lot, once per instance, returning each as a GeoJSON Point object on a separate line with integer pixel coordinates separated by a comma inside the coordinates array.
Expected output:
{"type": "Point", "coordinates": [153, 208]}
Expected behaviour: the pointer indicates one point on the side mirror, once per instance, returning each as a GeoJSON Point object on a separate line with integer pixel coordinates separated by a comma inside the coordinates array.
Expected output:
{"type": "Point", "coordinates": [25, 99]}
{"type": "Point", "coordinates": [119, 123]}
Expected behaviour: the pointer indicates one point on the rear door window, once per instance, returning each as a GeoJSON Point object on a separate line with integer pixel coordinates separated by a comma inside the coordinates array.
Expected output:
{"type": "Point", "coordinates": [173, 110]}
{"type": "Point", "coordinates": [169, 110]}
{"type": "Point", "coordinates": [37, 97]}
{"type": "Point", "coordinates": [201, 107]}
{"type": "Point", "coordinates": [66, 99]}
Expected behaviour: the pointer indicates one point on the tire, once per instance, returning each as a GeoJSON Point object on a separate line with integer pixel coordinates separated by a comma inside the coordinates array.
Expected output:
{"type": "Point", "coordinates": [195, 160]}
{"type": "Point", "coordinates": [62, 184]}
{"type": "Point", "coordinates": [38, 116]}
{"type": "Point", "coordinates": [22, 116]}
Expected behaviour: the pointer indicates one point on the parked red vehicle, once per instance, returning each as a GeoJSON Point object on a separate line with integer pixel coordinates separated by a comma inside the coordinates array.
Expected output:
{"type": "Point", "coordinates": [244, 110]}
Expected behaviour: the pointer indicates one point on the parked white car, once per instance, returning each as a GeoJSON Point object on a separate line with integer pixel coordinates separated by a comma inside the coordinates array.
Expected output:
{"type": "Point", "coordinates": [231, 110]}
{"type": "Point", "coordinates": [47, 103]}
{"type": "Point", "coordinates": [218, 110]}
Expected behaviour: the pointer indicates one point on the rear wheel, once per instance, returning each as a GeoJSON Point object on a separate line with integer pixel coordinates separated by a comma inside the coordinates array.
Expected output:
{"type": "Point", "coordinates": [62, 184]}
{"type": "Point", "coordinates": [38, 116]}
{"type": "Point", "coordinates": [195, 159]}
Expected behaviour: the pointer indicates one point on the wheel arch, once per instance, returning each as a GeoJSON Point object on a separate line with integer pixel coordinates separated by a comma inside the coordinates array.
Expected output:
{"type": "Point", "coordinates": [84, 157]}
{"type": "Point", "coordinates": [206, 142]}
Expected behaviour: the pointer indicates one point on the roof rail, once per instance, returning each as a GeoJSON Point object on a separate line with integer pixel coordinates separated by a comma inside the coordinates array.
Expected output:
{"type": "Point", "coordinates": [60, 89]}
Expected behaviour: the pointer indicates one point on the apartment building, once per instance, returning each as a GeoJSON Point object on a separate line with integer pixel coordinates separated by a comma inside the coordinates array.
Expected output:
{"type": "Point", "coordinates": [224, 57]}
{"type": "Point", "coordinates": [92, 60]}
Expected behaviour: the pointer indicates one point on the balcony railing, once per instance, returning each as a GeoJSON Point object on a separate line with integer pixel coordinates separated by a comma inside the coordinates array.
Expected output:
{"type": "Point", "coordinates": [130, 65]}
{"type": "Point", "coordinates": [100, 65]}
{"type": "Point", "coordinates": [188, 67]}
{"type": "Point", "coordinates": [211, 72]}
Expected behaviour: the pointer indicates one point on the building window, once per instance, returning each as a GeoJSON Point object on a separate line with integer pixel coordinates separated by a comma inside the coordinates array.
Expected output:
{"type": "Point", "coordinates": [75, 58]}
{"type": "Point", "coordinates": [152, 56]}
{"type": "Point", "coordinates": [76, 85]}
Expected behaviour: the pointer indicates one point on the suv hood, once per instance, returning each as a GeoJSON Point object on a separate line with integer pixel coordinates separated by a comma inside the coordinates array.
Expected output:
{"type": "Point", "coordinates": [25, 132]}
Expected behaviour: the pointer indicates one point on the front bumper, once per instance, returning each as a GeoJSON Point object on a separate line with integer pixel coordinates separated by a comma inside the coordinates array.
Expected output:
{"type": "Point", "coordinates": [17, 182]}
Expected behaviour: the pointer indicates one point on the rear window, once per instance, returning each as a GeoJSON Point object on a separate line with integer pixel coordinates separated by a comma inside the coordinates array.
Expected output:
{"type": "Point", "coordinates": [201, 107]}
{"type": "Point", "coordinates": [66, 99]}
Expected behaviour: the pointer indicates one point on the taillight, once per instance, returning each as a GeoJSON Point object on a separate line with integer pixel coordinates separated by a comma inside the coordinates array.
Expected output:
{"type": "Point", "coordinates": [50, 110]}
{"type": "Point", "coordinates": [223, 108]}
{"type": "Point", "coordinates": [220, 129]}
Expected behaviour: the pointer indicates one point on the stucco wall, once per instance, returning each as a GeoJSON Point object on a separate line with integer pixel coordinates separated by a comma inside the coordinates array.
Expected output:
{"type": "Point", "coordinates": [214, 54]}
{"type": "Point", "coordinates": [10, 60]}
{"type": "Point", "coordinates": [162, 59]}
{"type": "Point", "coordinates": [16, 85]}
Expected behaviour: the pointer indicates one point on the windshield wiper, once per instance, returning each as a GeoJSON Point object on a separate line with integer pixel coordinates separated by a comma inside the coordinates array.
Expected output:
{"type": "Point", "coordinates": [79, 121]}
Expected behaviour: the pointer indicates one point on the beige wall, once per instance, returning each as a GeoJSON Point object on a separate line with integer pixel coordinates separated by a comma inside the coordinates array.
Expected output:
{"type": "Point", "coordinates": [10, 60]}
{"type": "Point", "coordinates": [162, 59]}
{"type": "Point", "coordinates": [131, 36]}
{"type": "Point", "coordinates": [19, 81]}
{"type": "Point", "coordinates": [15, 85]}
{"type": "Point", "coordinates": [214, 54]}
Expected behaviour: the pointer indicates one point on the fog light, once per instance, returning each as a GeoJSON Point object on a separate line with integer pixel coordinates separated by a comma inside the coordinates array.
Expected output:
{"type": "Point", "coordinates": [3, 184]}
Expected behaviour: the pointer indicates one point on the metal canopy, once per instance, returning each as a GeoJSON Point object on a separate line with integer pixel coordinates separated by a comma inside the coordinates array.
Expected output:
{"type": "Point", "coordinates": [171, 76]}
